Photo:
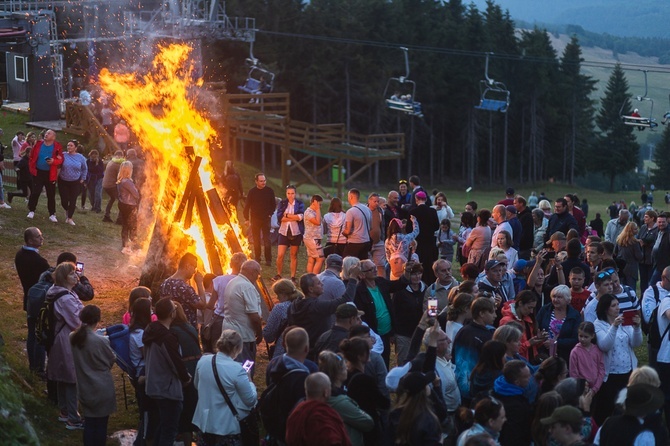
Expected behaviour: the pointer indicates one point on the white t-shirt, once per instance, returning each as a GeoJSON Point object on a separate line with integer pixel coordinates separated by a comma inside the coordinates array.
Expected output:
{"type": "Point", "coordinates": [241, 298]}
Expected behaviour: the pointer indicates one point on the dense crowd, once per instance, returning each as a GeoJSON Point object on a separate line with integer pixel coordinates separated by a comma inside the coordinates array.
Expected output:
{"type": "Point", "coordinates": [378, 343]}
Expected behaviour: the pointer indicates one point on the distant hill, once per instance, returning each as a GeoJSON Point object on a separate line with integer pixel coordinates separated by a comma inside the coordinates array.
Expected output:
{"type": "Point", "coordinates": [642, 18]}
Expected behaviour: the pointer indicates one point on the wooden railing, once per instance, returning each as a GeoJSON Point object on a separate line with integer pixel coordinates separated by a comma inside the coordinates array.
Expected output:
{"type": "Point", "coordinates": [80, 120]}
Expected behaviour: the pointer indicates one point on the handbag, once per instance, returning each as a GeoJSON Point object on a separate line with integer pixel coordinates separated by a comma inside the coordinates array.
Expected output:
{"type": "Point", "coordinates": [334, 248]}
{"type": "Point", "coordinates": [249, 424]}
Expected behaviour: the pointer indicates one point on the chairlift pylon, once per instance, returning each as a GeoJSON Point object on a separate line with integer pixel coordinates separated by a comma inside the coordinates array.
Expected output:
{"type": "Point", "coordinates": [494, 95]}
{"type": "Point", "coordinates": [403, 92]}
{"type": "Point", "coordinates": [259, 79]}
{"type": "Point", "coordinates": [634, 118]}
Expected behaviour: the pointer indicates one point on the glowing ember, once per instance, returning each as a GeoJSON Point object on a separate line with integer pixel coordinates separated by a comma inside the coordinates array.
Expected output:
{"type": "Point", "coordinates": [159, 108]}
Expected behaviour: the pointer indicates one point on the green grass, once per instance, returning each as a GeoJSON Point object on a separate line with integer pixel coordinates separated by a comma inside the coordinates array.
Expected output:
{"type": "Point", "coordinates": [113, 275]}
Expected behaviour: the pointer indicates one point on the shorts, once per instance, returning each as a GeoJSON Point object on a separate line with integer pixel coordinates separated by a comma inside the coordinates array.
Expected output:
{"type": "Point", "coordinates": [285, 241]}
{"type": "Point", "coordinates": [314, 248]}
{"type": "Point", "coordinates": [378, 254]}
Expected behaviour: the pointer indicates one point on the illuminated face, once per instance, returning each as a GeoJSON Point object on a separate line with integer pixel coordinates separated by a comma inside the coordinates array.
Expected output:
{"type": "Point", "coordinates": [71, 148]}
{"type": "Point", "coordinates": [559, 207]}
{"type": "Point", "coordinates": [393, 199]}
{"type": "Point", "coordinates": [261, 181]}
{"type": "Point", "coordinates": [577, 280]}
{"type": "Point", "coordinates": [373, 202]}
{"type": "Point", "coordinates": [49, 136]}
{"type": "Point", "coordinates": [402, 188]}
{"type": "Point", "coordinates": [613, 310]}
{"type": "Point", "coordinates": [290, 194]}
{"type": "Point", "coordinates": [592, 255]}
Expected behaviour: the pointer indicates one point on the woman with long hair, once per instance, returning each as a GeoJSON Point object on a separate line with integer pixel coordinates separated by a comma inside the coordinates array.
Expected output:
{"type": "Point", "coordinates": [458, 312]}
{"type": "Point", "coordinates": [545, 407]}
{"type": "Point", "coordinates": [552, 371]}
{"type": "Point", "coordinates": [356, 420]}
{"type": "Point", "coordinates": [628, 254]}
{"type": "Point", "coordinates": [361, 387]}
{"type": "Point", "coordinates": [141, 316]}
{"type": "Point", "coordinates": [60, 367]}
{"type": "Point", "coordinates": [129, 199]}
{"type": "Point", "coordinates": [412, 420]}
{"type": "Point", "coordinates": [477, 245]}
{"type": "Point", "coordinates": [277, 322]}
{"type": "Point", "coordinates": [488, 368]}
{"type": "Point", "coordinates": [397, 241]}
{"type": "Point", "coordinates": [617, 342]}
{"type": "Point", "coordinates": [333, 224]}
{"type": "Point", "coordinates": [93, 361]}
{"type": "Point", "coordinates": [189, 345]}
{"type": "Point", "coordinates": [522, 310]}
{"type": "Point", "coordinates": [504, 242]}
{"type": "Point", "coordinates": [468, 222]}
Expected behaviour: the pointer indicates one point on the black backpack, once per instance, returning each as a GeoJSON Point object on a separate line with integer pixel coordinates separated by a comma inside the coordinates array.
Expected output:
{"type": "Point", "coordinates": [45, 326]}
{"type": "Point", "coordinates": [654, 337]}
{"type": "Point", "coordinates": [645, 325]}
{"type": "Point", "coordinates": [270, 403]}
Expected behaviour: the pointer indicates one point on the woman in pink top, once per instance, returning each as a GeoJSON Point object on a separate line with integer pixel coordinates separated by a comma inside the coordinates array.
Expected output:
{"type": "Point", "coordinates": [478, 243]}
{"type": "Point", "coordinates": [586, 359]}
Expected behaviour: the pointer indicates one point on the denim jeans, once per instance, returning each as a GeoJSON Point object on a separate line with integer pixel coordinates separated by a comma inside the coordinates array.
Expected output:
{"type": "Point", "coordinates": [168, 421]}
{"type": "Point", "coordinates": [95, 195]}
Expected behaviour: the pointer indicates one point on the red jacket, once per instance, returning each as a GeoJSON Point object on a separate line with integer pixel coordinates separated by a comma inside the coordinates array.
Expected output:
{"type": "Point", "coordinates": [529, 328]}
{"type": "Point", "coordinates": [313, 423]}
{"type": "Point", "coordinates": [57, 156]}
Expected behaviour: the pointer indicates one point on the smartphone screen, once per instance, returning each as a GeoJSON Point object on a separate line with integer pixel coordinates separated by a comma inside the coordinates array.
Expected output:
{"type": "Point", "coordinates": [432, 307]}
{"type": "Point", "coordinates": [628, 316]}
{"type": "Point", "coordinates": [80, 267]}
{"type": "Point", "coordinates": [247, 365]}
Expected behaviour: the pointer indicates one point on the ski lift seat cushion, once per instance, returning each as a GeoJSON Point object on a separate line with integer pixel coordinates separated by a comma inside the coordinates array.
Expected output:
{"type": "Point", "coordinates": [251, 86]}
{"type": "Point", "coordinates": [492, 105]}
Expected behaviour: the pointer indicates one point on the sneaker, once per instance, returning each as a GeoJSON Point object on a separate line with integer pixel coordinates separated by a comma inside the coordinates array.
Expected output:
{"type": "Point", "coordinates": [30, 215]}
{"type": "Point", "coordinates": [62, 416]}
{"type": "Point", "coordinates": [127, 250]}
{"type": "Point", "coordinates": [69, 425]}
{"type": "Point", "coordinates": [276, 278]}
{"type": "Point", "coordinates": [52, 218]}
{"type": "Point", "coordinates": [69, 221]}
{"type": "Point", "coordinates": [5, 206]}
{"type": "Point", "coordinates": [106, 219]}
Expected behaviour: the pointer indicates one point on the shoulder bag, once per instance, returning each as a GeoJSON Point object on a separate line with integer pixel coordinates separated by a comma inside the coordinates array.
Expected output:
{"type": "Point", "coordinates": [249, 424]}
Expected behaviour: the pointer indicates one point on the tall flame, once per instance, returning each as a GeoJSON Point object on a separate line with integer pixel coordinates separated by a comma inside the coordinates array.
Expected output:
{"type": "Point", "coordinates": [159, 107]}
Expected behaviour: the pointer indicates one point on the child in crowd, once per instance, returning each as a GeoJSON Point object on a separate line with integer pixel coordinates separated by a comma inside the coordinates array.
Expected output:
{"type": "Point", "coordinates": [314, 235]}
{"type": "Point", "coordinates": [445, 240]}
{"type": "Point", "coordinates": [577, 290]}
{"type": "Point", "coordinates": [586, 359]}
{"type": "Point", "coordinates": [136, 293]}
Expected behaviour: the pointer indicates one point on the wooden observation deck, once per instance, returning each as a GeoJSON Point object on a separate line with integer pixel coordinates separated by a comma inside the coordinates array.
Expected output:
{"type": "Point", "coordinates": [265, 118]}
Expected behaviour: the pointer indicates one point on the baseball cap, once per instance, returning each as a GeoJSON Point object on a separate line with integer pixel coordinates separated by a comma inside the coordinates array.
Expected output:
{"type": "Point", "coordinates": [347, 310]}
{"type": "Point", "coordinates": [414, 382]}
{"type": "Point", "coordinates": [510, 191]}
{"type": "Point", "coordinates": [522, 264]}
{"type": "Point", "coordinates": [510, 208]}
{"type": "Point", "coordinates": [564, 414]}
{"type": "Point", "coordinates": [334, 260]}
{"type": "Point", "coordinates": [492, 264]}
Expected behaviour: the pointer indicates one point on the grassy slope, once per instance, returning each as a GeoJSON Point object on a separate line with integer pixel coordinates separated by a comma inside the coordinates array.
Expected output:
{"type": "Point", "coordinates": [113, 275]}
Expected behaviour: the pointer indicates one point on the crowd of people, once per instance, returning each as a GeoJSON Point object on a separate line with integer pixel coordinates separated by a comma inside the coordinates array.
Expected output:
{"type": "Point", "coordinates": [41, 164]}
{"type": "Point", "coordinates": [377, 343]}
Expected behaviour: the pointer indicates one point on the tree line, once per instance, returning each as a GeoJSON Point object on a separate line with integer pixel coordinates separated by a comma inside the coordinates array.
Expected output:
{"type": "Point", "coordinates": [553, 129]}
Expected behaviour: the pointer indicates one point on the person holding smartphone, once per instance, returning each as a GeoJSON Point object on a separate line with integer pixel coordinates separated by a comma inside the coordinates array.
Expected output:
{"type": "Point", "coordinates": [45, 158]}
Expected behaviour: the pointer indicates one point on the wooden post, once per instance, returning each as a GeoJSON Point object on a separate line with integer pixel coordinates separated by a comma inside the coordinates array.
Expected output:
{"type": "Point", "coordinates": [208, 234]}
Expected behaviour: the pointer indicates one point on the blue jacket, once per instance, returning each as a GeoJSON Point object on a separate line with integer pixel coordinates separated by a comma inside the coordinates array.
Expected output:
{"type": "Point", "coordinates": [567, 337]}
{"type": "Point", "coordinates": [516, 430]}
{"type": "Point", "coordinates": [298, 207]}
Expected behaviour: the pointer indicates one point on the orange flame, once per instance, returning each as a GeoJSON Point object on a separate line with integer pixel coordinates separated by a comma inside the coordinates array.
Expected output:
{"type": "Point", "coordinates": [159, 107]}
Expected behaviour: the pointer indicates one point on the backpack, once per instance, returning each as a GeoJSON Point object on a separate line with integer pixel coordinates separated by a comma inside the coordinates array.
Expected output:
{"type": "Point", "coordinates": [45, 326]}
{"type": "Point", "coordinates": [119, 340]}
{"type": "Point", "coordinates": [645, 326]}
{"type": "Point", "coordinates": [655, 338]}
{"type": "Point", "coordinates": [270, 402]}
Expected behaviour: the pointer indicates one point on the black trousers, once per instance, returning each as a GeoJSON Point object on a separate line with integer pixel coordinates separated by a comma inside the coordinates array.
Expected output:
{"type": "Point", "coordinates": [113, 195]}
{"type": "Point", "coordinates": [69, 192]}
{"type": "Point", "coordinates": [260, 229]}
{"type": "Point", "coordinates": [40, 181]}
